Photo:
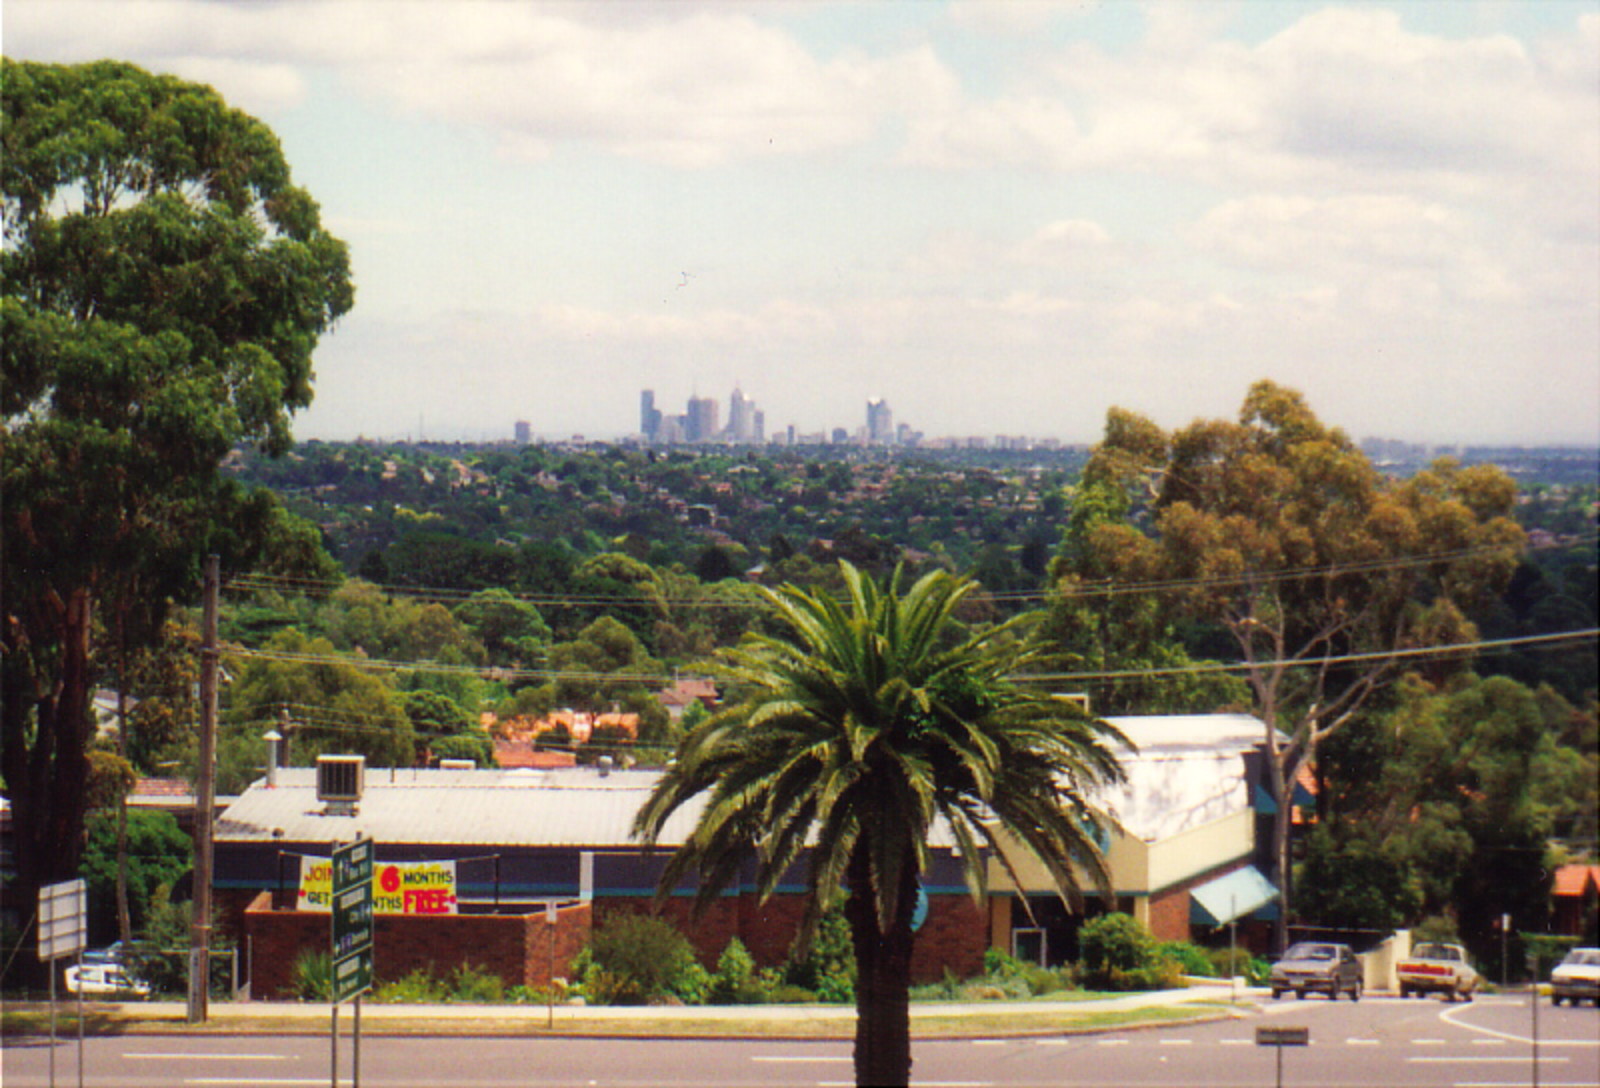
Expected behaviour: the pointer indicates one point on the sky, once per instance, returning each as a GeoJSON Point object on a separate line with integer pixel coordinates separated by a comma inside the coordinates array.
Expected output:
{"type": "Point", "coordinates": [1003, 216]}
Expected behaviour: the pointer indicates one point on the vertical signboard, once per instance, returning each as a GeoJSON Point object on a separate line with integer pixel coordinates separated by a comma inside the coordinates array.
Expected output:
{"type": "Point", "coordinates": [61, 919]}
{"type": "Point", "coordinates": [352, 919]}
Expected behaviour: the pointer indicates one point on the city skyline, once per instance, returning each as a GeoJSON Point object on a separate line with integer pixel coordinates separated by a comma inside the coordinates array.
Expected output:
{"type": "Point", "coordinates": [1003, 218]}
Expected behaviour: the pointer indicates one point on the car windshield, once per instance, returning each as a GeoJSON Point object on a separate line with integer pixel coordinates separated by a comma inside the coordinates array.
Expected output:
{"type": "Point", "coordinates": [1310, 952]}
{"type": "Point", "coordinates": [1435, 952]}
{"type": "Point", "coordinates": [1583, 957]}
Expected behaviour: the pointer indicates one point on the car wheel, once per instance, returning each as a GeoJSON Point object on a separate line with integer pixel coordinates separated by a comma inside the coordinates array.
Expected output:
{"type": "Point", "coordinates": [1299, 995]}
{"type": "Point", "coordinates": [1276, 994]}
{"type": "Point", "coordinates": [1555, 999]}
{"type": "Point", "coordinates": [1355, 993]}
{"type": "Point", "coordinates": [1405, 992]}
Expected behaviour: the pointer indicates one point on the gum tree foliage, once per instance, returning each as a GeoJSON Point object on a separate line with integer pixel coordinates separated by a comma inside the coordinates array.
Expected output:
{"type": "Point", "coordinates": [1280, 531]}
{"type": "Point", "coordinates": [846, 739]}
{"type": "Point", "coordinates": [164, 286]}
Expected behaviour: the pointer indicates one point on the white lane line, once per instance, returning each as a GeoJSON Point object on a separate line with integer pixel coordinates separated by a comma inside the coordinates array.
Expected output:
{"type": "Point", "coordinates": [1361, 1042]}
{"type": "Point", "coordinates": [1237, 1042]}
{"type": "Point", "coordinates": [989, 1042]}
{"type": "Point", "coordinates": [255, 1080]}
{"type": "Point", "coordinates": [1543, 1059]}
{"type": "Point", "coordinates": [1449, 1015]}
{"type": "Point", "coordinates": [1111, 1042]}
{"type": "Point", "coordinates": [1177, 1042]}
{"type": "Point", "coordinates": [155, 1057]}
{"type": "Point", "coordinates": [1427, 1042]}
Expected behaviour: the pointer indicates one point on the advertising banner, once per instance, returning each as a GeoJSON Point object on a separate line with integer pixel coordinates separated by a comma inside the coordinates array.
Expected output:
{"type": "Point", "coordinates": [399, 887]}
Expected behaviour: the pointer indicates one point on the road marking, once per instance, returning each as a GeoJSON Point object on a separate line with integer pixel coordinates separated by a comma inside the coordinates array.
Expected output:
{"type": "Point", "coordinates": [990, 1042]}
{"type": "Point", "coordinates": [1111, 1042]}
{"type": "Point", "coordinates": [154, 1057]}
{"type": "Point", "coordinates": [1361, 1042]}
{"type": "Point", "coordinates": [1543, 1058]}
{"type": "Point", "coordinates": [1177, 1042]}
{"type": "Point", "coordinates": [1449, 1014]}
{"type": "Point", "coordinates": [255, 1080]}
{"type": "Point", "coordinates": [1428, 1042]}
{"type": "Point", "coordinates": [1237, 1042]}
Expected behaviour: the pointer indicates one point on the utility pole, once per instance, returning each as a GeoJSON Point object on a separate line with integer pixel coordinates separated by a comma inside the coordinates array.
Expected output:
{"type": "Point", "coordinates": [204, 798]}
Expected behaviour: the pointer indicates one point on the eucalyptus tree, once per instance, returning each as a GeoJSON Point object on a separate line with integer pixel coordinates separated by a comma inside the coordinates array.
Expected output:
{"type": "Point", "coordinates": [849, 736]}
{"type": "Point", "coordinates": [165, 284]}
{"type": "Point", "coordinates": [1317, 568]}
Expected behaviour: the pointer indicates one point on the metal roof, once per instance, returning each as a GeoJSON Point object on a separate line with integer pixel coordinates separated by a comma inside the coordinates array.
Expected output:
{"type": "Point", "coordinates": [1187, 773]}
{"type": "Point", "coordinates": [525, 807]}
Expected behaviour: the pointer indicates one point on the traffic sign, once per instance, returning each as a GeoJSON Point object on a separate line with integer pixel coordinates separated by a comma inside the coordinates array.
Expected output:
{"type": "Point", "coordinates": [1283, 1036]}
{"type": "Point", "coordinates": [61, 919]}
{"type": "Point", "coordinates": [352, 919]}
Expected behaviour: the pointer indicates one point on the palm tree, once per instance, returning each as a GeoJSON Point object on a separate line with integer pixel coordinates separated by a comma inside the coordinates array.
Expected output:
{"type": "Point", "coordinates": [847, 740]}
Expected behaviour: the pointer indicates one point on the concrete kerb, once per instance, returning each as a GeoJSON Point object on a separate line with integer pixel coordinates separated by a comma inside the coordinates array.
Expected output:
{"type": "Point", "coordinates": [652, 1022]}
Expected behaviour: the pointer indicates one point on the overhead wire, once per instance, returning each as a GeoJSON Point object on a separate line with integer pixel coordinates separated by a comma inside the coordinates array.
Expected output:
{"type": "Point", "coordinates": [261, 581]}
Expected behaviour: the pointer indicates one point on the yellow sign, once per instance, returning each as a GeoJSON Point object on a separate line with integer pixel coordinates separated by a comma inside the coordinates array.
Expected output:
{"type": "Point", "coordinates": [399, 887]}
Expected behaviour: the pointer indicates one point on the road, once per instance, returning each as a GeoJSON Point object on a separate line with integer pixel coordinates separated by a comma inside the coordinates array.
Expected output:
{"type": "Point", "coordinates": [1381, 1041]}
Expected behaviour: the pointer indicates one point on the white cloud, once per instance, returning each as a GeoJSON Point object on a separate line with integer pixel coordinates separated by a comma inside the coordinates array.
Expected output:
{"type": "Point", "coordinates": [687, 85]}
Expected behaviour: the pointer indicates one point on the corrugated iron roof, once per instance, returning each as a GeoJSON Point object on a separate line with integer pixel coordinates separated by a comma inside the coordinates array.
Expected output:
{"type": "Point", "coordinates": [1187, 773]}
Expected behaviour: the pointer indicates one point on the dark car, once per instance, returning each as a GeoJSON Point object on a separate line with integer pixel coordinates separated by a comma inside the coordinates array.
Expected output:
{"type": "Point", "coordinates": [1312, 967]}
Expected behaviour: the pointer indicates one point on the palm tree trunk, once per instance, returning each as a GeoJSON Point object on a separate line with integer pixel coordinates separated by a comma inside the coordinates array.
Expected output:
{"type": "Point", "coordinates": [883, 981]}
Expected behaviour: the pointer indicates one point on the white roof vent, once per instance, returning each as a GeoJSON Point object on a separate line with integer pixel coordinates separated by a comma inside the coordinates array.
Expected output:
{"type": "Point", "coordinates": [340, 780]}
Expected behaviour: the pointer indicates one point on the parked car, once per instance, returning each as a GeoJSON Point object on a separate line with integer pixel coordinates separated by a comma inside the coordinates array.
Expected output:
{"type": "Point", "coordinates": [1577, 977]}
{"type": "Point", "coordinates": [104, 980]}
{"type": "Point", "coordinates": [1312, 967]}
{"type": "Point", "coordinates": [1437, 968]}
{"type": "Point", "coordinates": [112, 953]}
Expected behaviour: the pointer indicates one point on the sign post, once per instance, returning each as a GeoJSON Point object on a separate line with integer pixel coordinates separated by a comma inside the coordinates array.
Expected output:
{"type": "Point", "coordinates": [62, 926]}
{"type": "Point", "coordinates": [1280, 1038]}
{"type": "Point", "coordinates": [352, 940]}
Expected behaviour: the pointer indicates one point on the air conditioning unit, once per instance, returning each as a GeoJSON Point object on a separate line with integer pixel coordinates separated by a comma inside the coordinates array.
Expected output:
{"type": "Point", "coordinates": [340, 780]}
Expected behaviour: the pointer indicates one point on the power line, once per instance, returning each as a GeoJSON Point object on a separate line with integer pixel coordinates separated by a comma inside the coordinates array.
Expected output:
{"type": "Point", "coordinates": [258, 581]}
{"type": "Point", "coordinates": [1439, 651]}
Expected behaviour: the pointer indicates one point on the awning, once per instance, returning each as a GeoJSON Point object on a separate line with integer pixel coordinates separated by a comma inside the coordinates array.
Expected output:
{"type": "Point", "coordinates": [1220, 901]}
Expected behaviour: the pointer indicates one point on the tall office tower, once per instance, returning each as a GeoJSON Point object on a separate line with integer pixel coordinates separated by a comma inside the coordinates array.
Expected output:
{"type": "Point", "coordinates": [649, 416]}
{"type": "Point", "coordinates": [741, 417]}
{"type": "Point", "coordinates": [524, 432]}
{"type": "Point", "coordinates": [700, 423]}
{"type": "Point", "coordinates": [880, 422]}
{"type": "Point", "coordinates": [759, 434]}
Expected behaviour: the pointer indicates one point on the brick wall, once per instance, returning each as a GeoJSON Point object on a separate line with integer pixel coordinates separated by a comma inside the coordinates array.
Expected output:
{"type": "Point", "coordinates": [516, 947]}
{"type": "Point", "coordinates": [954, 936]}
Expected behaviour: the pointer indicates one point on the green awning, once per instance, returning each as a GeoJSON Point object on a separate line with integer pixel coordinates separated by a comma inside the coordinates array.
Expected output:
{"type": "Point", "coordinates": [1235, 895]}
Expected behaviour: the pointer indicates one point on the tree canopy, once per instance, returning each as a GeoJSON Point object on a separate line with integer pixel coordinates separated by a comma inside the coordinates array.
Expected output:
{"type": "Point", "coordinates": [165, 284]}
{"type": "Point", "coordinates": [1280, 530]}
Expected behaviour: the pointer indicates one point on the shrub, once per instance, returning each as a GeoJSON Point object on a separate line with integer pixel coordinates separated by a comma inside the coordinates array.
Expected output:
{"type": "Point", "coordinates": [417, 988]}
{"type": "Point", "coordinates": [1115, 940]}
{"type": "Point", "coordinates": [1193, 959]}
{"type": "Point", "coordinates": [312, 977]}
{"type": "Point", "coordinates": [1118, 953]}
{"type": "Point", "coordinates": [634, 958]}
{"type": "Point", "coordinates": [473, 986]}
{"type": "Point", "coordinates": [736, 981]}
{"type": "Point", "coordinates": [828, 967]}
{"type": "Point", "coordinates": [1239, 963]}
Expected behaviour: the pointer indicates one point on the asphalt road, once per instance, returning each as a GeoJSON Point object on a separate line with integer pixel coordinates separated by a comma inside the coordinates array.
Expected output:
{"type": "Point", "coordinates": [1378, 1042]}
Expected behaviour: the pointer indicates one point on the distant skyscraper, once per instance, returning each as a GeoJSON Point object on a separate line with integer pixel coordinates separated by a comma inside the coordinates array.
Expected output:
{"type": "Point", "coordinates": [524, 432]}
{"type": "Point", "coordinates": [701, 421]}
{"type": "Point", "coordinates": [649, 416]}
{"type": "Point", "coordinates": [741, 417]}
{"type": "Point", "coordinates": [880, 422]}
